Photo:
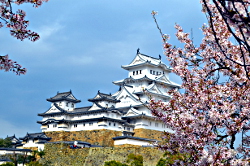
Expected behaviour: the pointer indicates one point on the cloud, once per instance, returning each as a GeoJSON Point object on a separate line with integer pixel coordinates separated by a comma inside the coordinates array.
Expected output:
{"type": "Point", "coordinates": [49, 30]}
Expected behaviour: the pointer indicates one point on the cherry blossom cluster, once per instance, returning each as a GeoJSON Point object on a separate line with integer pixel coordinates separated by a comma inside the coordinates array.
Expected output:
{"type": "Point", "coordinates": [9, 65]}
{"type": "Point", "coordinates": [18, 28]}
{"type": "Point", "coordinates": [213, 111]}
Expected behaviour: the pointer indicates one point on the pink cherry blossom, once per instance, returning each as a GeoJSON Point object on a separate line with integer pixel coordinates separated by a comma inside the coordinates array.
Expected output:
{"type": "Point", "coordinates": [18, 25]}
{"type": "Point", "coordinates": [213, 111]}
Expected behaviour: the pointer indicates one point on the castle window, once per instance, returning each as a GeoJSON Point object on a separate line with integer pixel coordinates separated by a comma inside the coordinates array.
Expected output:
{"type": "Point", "coordinates": [156, 124]}
{"type": "Point", "coordinates": [128, 129]}
{"type": "Point", "coordinates": [75, 125]}
{"type": "Point", "coordinates": [60, 103]}
{"type": "Point", "coordinates": [83, 124]}
{"type": "Point", "coordinates": [109, 124]}
{"type": "Point", "coordinates": [151, 72]}
{"type": "Point", "coordinates": [137, 72]}
{"type": "Point", "coordinates": [114, 124]}
{"type": "Point", "coordinates": [67, 104]}
{"type": "Point", "coordinates": [54, 125]}
{"type": "Point", "coordinates": [163, 72]}
{"type": "Point", "coordinates": [133, 72]}
{"type": "Point", "coordinates": [149, 123]}
{"type": "Point", "coordinates": [140, 71]}
{"type": "Point", "coordinates": [48, 126]}
{"type": "Point", "coordinates": [72, 105]}
{"type": "Point", "coordinates": [90, 124]}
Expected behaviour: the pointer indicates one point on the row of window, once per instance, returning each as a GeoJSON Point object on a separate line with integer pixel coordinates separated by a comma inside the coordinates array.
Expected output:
{"type": "Point", "coordinates": [151, 72]}
{"type": "Point", "coordinates": [54, 126]}
{"type": "Point", "coordinates": [97, 114]}
{"type": "Point", "coordinates": [156, 72]}
{"type": "Point", "coordinates": [137, 72]}
{"type": "Point", "coordinates": [156, 125]}
{"type": "Point", "coordinates": [67, 104]}
{"type": "Point", "coordinates": [110, 124]}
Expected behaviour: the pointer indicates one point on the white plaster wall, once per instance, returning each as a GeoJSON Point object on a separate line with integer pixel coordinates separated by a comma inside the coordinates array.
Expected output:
{"type": "Point", "coordinates": [131, 141]}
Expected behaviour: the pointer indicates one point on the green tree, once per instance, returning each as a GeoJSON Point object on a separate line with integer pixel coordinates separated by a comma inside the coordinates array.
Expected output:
{"type": "Point", "coordinates": [135, 160]}
{"type": "Point", "coordinates": [34, 163]}
{"type": "Point", "coordinates": [7, 164]}
{"type": "Point", "coordinates": [6, 143]}
{"type": "Point", "coordinates": [161, 162]}
{"type": "Point", "coordinates": [114, 163]}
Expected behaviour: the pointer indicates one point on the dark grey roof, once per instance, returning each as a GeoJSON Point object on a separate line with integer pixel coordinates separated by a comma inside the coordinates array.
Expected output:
{"type": "Point", "coordinates": [136, 138]}
{"type": "Point", "coordinates": [14, 149]}
{"type": "Point", "coordinates": [35, 136]}
{"type": "Point", "coordinates": [62, 111]}
{"type": "Point", "coordinates": [81, 109]}
{"type": "Point", "coordinates": [84, 110]}
{"type": "Point", "coordinates": [68, 96]}
{"type": "Point", "coordinates": [14, 139]}
{"type": "Point", "coordinates": [104, 97]}
{"type": "Point", "coordinates": [71, 142]}
{"type": "Point", "coordinates": [128, 80]}
{"type": "Point", "coordinates": [138, 116]}
{"type": "Point", "coordinates": [5, 160]}
{"type": "Point", "coordinates": [48, 121]}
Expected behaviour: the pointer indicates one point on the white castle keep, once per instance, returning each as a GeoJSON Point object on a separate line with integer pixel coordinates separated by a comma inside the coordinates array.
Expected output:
{"type": "Point", "coordinates": [124, 111]}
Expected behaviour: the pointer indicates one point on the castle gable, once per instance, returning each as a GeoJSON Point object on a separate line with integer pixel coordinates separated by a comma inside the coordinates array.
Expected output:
{"type": "Point", "coordinates": [131, 112]}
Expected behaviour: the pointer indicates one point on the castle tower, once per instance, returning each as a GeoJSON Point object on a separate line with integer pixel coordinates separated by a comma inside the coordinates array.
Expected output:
{"type": "Point", "coordinates": [124, 111]}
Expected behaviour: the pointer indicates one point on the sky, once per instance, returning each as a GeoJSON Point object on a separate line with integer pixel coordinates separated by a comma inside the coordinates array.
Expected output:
{"type": "Point", "coordinates": [82, 47]}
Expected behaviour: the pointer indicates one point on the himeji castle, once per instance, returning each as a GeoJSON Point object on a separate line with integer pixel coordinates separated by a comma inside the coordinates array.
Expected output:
{"type": "Point", "coordinates": [124, 110]}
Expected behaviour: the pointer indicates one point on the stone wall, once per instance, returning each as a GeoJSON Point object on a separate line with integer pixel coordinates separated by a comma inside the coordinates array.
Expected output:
{"type": "Point", "coordinates": [61, 155]}
{"type": "Point", "coordinates": [100, 137]}
{"type": "Point", "coordinates": [95, 137]}
{"type": "Point", "coordinates": [146, 133]}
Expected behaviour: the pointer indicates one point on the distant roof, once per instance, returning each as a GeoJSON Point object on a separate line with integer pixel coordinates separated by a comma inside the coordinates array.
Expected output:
{"type": "Point", "coordinates": [48, 121]}
{"type": "Point", "coordinates": [68, 96]}
{"type": "Point", "coordinates": [103, 97]}
{"type": "Point", "coordinates": [62, 111]}
{"type": "Point", "coordinates": [142, 59]}
{"type": "Point", "coordinates": [158, 79]}
{"type": "Point", "coordinates": [35, 136]}
{"type": "Point", "coordinates": [71, 142]}
{"type": "Point", "coordinates": [140, 116]}
{"type": "Point", "coordinates": [14, 149]}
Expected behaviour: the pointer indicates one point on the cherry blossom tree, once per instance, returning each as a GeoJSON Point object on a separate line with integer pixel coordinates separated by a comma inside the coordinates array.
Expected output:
{"type": "Point", "coordinates": [211, 117]}
{"type": "Point", "coordinates": [17, 24]}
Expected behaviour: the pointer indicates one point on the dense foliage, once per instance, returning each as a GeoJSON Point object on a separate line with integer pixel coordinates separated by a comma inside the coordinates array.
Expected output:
{"type": "Point", "coordinates": [5, 142]}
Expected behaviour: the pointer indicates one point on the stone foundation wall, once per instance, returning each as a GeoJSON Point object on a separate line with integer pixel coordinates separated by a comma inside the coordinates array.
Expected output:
{"type": "Point", "coordinates": [95, 137]}
{"type": "Point", "coordinates": [100, 137]}
{"type": "Point", "coordinates": [146, 133]}
{"type": "Point", "coordinates": [61, 155]}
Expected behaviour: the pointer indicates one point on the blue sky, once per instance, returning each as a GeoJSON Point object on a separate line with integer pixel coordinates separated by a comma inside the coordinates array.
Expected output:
{"type": "Point", "coordinates": [82, 47]}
